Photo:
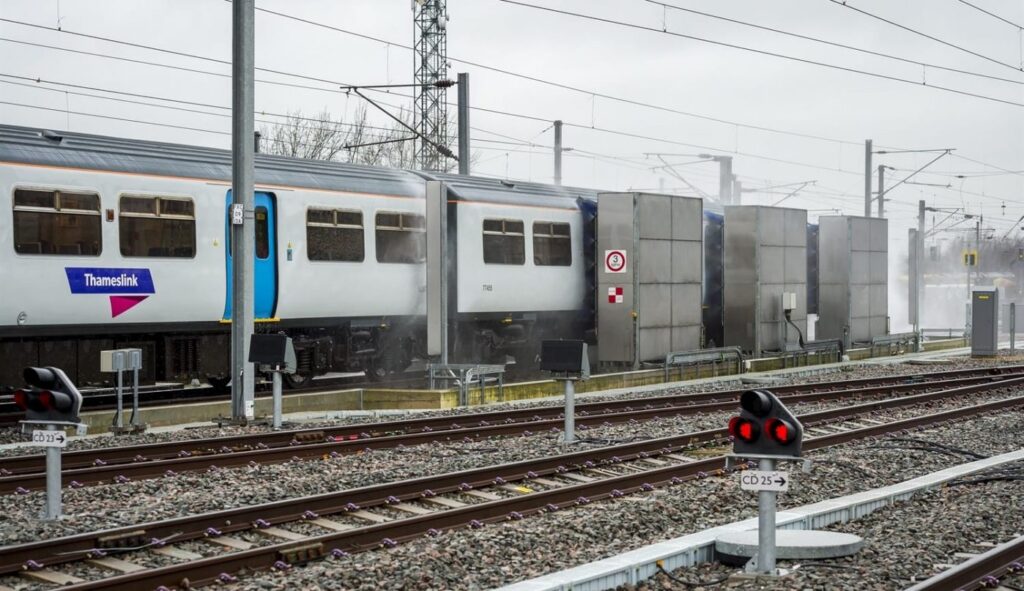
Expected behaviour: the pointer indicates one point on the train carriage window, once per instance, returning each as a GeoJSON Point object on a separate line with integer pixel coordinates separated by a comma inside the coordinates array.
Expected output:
{"type": "Point", "coordinates": [552, 244]}
{"type": "Point", "coordinates": [157, 227]}
{"type": "Point", "coordinates": [334, 235]}
{"type": "Point", "coordinates": [401, 238]}
{"type": "Point", "coordinates": [262, 233]}
{"type": "Point", "coordinates": [57, 222]}
{"type": "Point", "coordinates": [504, 242]}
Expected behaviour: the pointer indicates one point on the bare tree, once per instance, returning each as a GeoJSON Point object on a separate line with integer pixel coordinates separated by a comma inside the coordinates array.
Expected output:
{"type": "Point", "coordinates": [321, 137]}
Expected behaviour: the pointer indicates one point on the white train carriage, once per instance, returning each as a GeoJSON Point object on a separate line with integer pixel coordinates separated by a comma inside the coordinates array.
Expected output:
{"type": "Point", "coordinates": [107, 242]}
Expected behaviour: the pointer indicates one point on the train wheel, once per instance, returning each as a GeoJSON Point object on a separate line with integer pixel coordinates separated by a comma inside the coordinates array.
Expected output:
{"type": "Point", "coordinates": [218, 384]}
{"type": "Point", "coordinates": [297, 380]}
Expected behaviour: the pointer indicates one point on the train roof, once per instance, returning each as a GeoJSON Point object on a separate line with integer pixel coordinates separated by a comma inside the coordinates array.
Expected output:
{"type": "Point", "coordinates": [67, 149]}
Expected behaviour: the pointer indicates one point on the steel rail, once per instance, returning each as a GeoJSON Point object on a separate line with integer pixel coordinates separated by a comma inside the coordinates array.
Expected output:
{"type": "Point", "coordinates": [126, 454]}
{"type": "Point", "coordinates": [206, 570]}
{"type": "Point", "coordinates": [79, 546]}
{"type": "Point", "coordinates": [79, 473]}
{"type": "Point", "coordinates": [980, 572]}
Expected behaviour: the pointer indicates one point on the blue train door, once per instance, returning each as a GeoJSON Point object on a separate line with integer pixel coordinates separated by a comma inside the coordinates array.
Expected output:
{"type": "Point", "coordinates": [265, 251]}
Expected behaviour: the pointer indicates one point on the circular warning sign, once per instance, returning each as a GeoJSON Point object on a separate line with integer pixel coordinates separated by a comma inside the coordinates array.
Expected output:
{"type": "Point", "coordinates": [614, 261]}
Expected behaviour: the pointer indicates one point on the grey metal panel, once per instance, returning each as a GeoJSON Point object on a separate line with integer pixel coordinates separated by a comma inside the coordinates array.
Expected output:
{"type": "Point", "coordinates": [771, 301]}
{"type": "Point", "coordinates": [860, 233]}
{"type": "Point", "coordinates": [832, 311]}
{"type": "Point", "coordinates": [685, 338]}
{"type": "Point", "coordinates": [879, 267]}
{"type": "Point", "coordinates": [878, 299]}
{"type": "Point", "coordinates": [773, 265]}
{"type": "Point", "coordinates": [615, 324]}
{"type": "Point", "coordinates": [795, 265]}
{"type": "Point", "coordinates": [655, 307]}
{"type": "Point", "coordinates": [686, 304]}
{"type": "Point", "coordinates": [879, 325]}
{"type": "Point", "coordinates": [833, 251]}
{"type": "Point", "coordinates": [860, 267]}
{"type": "Point", "coordinates": [655, 216]}
{"type": "Point", "coordinates": [772, 224]}
{"type": "Point", "coordinates": [860, 329]}
{"type": "Point", "coordinates": [655, 343]}
{"type": "Point", "coordinates": [654, 264]}
{"type": "Point", "coordinates": [859, 300]}
{"type": "Point", "coordinates": [800, 289]}
{"type": "Point", "coordinates": [796, 227]}
{"type": "Point", "coordinates": [880, 235]}
{"type": "Point", "coordinates": [687, 262]}
{"type": "Point", "coordinates": [687, 219]}
{"type": "Point", "coordinates": [436, 214]}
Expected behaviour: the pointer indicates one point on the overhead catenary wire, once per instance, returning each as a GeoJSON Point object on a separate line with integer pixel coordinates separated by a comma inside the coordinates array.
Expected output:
{"type": "Point", "coordinates": [794, 58]}
{"type": "Point", "coordinates": [846, 4]}
{"type": "Point", "coordinates": [834, 43]}
{"type": "Point", "coordinates": [520, 115]}
{"type": "Point", "coordinates": [400, 45]}
{"type": "Point", "coordinates": [991, 14]}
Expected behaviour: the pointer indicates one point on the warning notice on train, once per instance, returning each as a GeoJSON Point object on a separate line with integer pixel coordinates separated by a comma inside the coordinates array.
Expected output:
{"type": "Point", "coordinates": [615, 261]}
{"type": "Point", "coordinates": [764, 480]}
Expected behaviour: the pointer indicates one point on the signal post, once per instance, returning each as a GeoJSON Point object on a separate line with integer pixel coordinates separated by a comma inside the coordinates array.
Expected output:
{"type": "Point", "coordinates": [53, 403]}
{"type": "Point", "coordinates": [768, 432]}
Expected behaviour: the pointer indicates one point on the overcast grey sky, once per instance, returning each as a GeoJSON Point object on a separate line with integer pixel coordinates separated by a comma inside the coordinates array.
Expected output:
{"type": "Point", "coordinates": [653, 67]}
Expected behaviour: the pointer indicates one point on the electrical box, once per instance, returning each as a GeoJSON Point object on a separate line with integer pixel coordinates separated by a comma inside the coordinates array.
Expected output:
{"type": "Point", "coordinates": [788, 301]}
{"type": "Point", "coordinates": [565, 357]}
{"type": "Point", "coordinates": [985, 323]}
{"type": "Point", "coordinates": [272, 352]}
{"type": "Point", "coordinates": [116, 360]}
{"type": "Point", "coordinates": [649, 270]}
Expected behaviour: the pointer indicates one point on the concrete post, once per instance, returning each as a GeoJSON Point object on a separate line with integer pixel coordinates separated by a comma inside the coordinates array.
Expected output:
{"type": "Point", "coordinates": [919, 276]}
{"type": "Point", "coordinates": [569, 435]}
{"type": "Point", "coordinates": [558, 152]}
{"type": "Point", "coordinates": [277, 399]}
{"type": "Point", "coordinates": [766, 523]}
{"type": "Point", "coordinates": [242, 237]}
{"type": "Point", "coordinates": [53, 492]}
{"type": "Point", "coordinates": [1013, 327]}
{"type": "Point", "coordinates": [867, 178]}
{"type": "Point", "coordinates": [464, 123]}
{"type": "Point", "coordinates": [881, 191]}
{"type": "Point", "coordinates": [119, 412]}
{"type": "Point", "coordinates": [725, 180]}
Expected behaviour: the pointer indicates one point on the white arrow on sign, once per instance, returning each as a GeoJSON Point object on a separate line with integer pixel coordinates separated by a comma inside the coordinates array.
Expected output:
{"type": "Point", "coordinates": [759, 480]}
{"type": "Point", "coordinates": [49, 438]}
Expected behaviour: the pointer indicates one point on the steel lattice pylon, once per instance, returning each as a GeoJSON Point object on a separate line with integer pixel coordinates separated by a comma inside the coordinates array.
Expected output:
{"type": "Point", "coordinates": [430, 66]}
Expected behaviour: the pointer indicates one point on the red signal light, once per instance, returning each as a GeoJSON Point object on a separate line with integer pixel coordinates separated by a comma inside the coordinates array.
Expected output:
{"type": "Point", "coordinates": [21, 399]}
{"type": "Point", "coordinates": [744, 429]}
{"type": "Point", "coordinates": [46, 399]}
{"type": "Point", "coordinates": [781, 431]}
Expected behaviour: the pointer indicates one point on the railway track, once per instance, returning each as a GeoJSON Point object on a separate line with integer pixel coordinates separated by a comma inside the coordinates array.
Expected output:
{"type": "Point", "coordinates": [25, 473]}
{"type": "Point", "coordinates": [980, 572]}
{"type": "Point", "coordinates": [380, 516]}
{"type": "Point", "coordinates": [150, 396]}
{"type": "Point", "coordinates": [106, 399]}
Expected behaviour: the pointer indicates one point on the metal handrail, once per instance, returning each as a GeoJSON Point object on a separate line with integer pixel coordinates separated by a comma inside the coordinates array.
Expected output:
{"type": "Point", "coordinates": [700, 356]}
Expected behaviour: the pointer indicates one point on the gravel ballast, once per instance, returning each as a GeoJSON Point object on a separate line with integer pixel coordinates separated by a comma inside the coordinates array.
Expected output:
{"type": "Point", "coordinates": [503, 553]}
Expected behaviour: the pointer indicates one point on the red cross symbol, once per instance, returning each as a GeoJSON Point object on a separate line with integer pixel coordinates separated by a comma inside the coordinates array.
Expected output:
{"type": "Point", "coordinates": [615, 295]}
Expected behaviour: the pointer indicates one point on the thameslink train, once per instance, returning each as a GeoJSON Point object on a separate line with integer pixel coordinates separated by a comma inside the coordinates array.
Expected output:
{"type": "Point", "coordinates": [109, 243]}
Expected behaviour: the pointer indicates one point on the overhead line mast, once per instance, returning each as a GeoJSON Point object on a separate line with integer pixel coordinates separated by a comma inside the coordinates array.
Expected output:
{"type": "Point", "coordinates": [430, 66]}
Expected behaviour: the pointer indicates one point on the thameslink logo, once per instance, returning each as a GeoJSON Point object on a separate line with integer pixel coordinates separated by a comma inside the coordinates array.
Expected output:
{"type": "Point", "coordinates": [123, 280]}
{"type": "Point", "coordinates": [126, 287]}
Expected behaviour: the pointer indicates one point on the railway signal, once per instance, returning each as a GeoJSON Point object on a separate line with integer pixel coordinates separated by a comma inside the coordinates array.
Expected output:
{"type": "Point", "coordinates": [50, 397]}
{"type": "Point", "coordinates": [51, 403]}
{"type": "Point", "coordinates": [767, 431]}
{"type": "Point", "coordinates": [765, 427]}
